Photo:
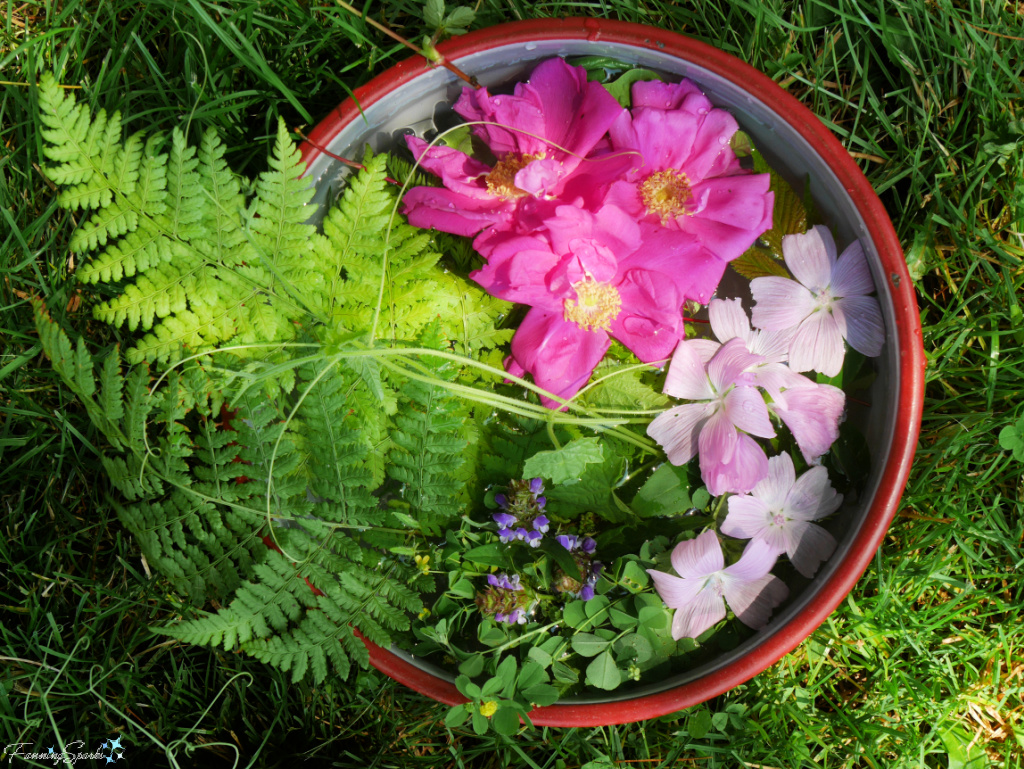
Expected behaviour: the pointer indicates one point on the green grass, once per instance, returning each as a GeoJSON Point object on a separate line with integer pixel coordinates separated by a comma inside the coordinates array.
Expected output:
{"type": "Point", "coordinates": [923, 665]}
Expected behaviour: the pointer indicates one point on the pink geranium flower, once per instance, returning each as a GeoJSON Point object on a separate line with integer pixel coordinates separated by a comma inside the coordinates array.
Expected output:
{"type": "Point", "coordinates": [780, 510]}
{"type": "Point", "coordinates": [827, 303]}
{"type": "Point", "coordinates": [726, 410]}
{"type": "Point", "coordinates": [685, 182]}
{"type": "Point", "coordinates": [542, 132]}
{"type": "Point", "coordinates": [586, 283]}
{"type": "Point", "coordinates": [705, 585]}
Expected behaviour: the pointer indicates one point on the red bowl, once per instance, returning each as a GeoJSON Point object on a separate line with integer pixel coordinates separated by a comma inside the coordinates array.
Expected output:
{"type": "Point", "coordinates": [798, 146]}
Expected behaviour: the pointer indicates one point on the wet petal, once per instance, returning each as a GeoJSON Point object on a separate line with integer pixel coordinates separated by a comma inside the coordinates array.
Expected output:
{"type": "Point", "coordinates": [811, 496]}
{"type": "Point", "coordinates": [731, 360]}
{"type": "Point", "coordinates": [686, 376]}
{"type": "Point", "coordinates": [748, 466]}
{"type": "Point", "coordinates": [748, 517]}
{"type": "Point", "coordinates": [753, 602]}
{"type": "Point", "coordinates": [447, 211]}
{"type": "Point", "coordinates": [746, 409]}
{"type": "Point", "coordinates": [675, 592]}
{"type": "Point", "coordinates": [729, 320]}
{"type": "Point", "coordinates": [698, 557]}
{"type": "Point", "coordinates": [676, 430]}
{"type": "Point", "coordinates": [851, 276]}
{"type": "Point", "coordinates": [818, 345]}
{"type": "Point", "coordinates": [810, 547]}
{"type": "Point", "coordinates": [717, 440]}
{"type": "Point", "coordinates": [810, 257]}
{"type": "Point", "coordinates": [705, 611]}
{"type": "Point", "coordinates": [863, 320]}
{"type": "Point", "coordinates": [812, 414]}
{"type": "Point", "coordinates": [780, 303]}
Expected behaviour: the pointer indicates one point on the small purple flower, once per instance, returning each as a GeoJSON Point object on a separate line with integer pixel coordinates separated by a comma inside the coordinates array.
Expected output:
{"type": "Point", "coordinates": [705, 585]}
{"type": "Point", "coordinates": [536, 486]}
{"type": "Point", "coordinates": [589, 545]}
{"type": "Point", "coordinates": [827, 303]}
{"type": "Point", "coordinates": [540, 502]}
{"type": "Point", "coordinates": [568, 541]}
{"type": "Point", "coordinates": [501, 501]}
{"type": "Point", "coordinates": [533, 538]}
{"type": "Point", "coordinates": [541, 524]}
{"type": "Point", "coordinates": [504, 520]}
{"type": "Point", "coordinates": [504, 582]}
{"type": "Point", "coordinates": [586, 592]}
{"type": "Point", "coordinates": [507, 535]}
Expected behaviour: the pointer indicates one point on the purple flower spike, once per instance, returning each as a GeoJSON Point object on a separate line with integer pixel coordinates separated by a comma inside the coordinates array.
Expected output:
{"type": "Point", "coordinates": [504, 520]}
{"type": "Point", "coordinates": [587, 592]}
{"type": "Point", "coordinates": [536, 485]}
{"type": "Point", "coordinates": [568, 541]}
{"type": "Point", "coordinates": [541, 524]}
{"type": "Point", "coordinates": [533, 538]}
{"type": "Point", "coordinates": [501, 501]}
{"type": "Point", "coordinates": [589, 545]}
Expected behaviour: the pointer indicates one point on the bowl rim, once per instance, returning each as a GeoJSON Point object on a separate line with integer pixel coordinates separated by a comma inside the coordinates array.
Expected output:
{"type": "Point", "coordinates": [906, 327]}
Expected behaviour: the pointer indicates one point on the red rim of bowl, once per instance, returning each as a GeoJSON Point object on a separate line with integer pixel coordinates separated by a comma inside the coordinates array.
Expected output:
{"type": "Point", "coordinates": [906, 327]}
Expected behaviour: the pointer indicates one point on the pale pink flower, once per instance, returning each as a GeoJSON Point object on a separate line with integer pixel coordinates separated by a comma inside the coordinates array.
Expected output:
{"type": "Point", "coordinates": [541, 133]}
{"type": "Point", "coordinates": [725, 411]}
{"type": "Point", "coordinates": [705, 585]}
{"type": "Point", "coordinates": [780, 510]}
{"type": "Point", "coordinates": [827, 303]}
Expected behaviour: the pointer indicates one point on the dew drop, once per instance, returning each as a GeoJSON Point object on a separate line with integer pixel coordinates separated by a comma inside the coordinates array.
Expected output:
{"type": "Point", "coordinates": [530, 46]}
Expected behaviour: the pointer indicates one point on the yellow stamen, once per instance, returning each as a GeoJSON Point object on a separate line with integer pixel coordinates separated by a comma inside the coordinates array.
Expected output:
{"type": "Point", "coordinates": [501, 181]}
{"type": "Point", "coordinates": [666, 193]}
{"type": "Point", "coordinates": [595, 307]}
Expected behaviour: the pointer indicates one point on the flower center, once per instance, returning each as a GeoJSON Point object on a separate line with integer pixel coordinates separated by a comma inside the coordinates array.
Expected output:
{"type": "Point", "coordinates": [666, 193]}
{"type": "Point", "coordinates": [779, 519]}
{"type": "Point", "coordinates": [501, 181]}
{"type": "Point", "coordinates": [596, 305]}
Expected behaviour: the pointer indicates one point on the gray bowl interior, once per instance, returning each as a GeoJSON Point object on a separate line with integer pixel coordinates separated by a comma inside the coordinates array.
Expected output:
{"type": "Point", "coordinates": [420, 104]}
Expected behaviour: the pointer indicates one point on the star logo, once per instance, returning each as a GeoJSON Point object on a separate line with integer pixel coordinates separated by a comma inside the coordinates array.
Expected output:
{"type": "Point", "coordinates": [115, 744]}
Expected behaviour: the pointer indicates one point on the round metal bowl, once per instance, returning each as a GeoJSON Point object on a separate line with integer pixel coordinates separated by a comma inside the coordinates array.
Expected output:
{"type": "Point", "coordinates": [415, 95]}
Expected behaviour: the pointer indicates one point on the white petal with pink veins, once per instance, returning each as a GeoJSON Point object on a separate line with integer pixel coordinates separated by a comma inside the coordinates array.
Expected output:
{"type": "Point", "coordinates": [677, 430]}
{"type": "Point", "coordinates": [746, 410]}
{"type": "Point", "coordinates": [704, 612]}
{"type": "Point", "coordinates": [810, 257]}
{"type": "Point", "coordinates": [818, 345]}
{"type": "Point", "coordinates": [780, 303]}
{"type": "Point", "coordinates": [812, 496]}
{"type": "Point", "coordinates": [698, 557]}
{"type": "Point", "coordinates": [687, 377]}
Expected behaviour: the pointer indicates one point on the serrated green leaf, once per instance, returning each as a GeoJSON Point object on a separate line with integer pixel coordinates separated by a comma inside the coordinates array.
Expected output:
{"type": "Point", "coordinates": [566, 464]}
{"type": "Point", "coordinates": [433, 13]}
